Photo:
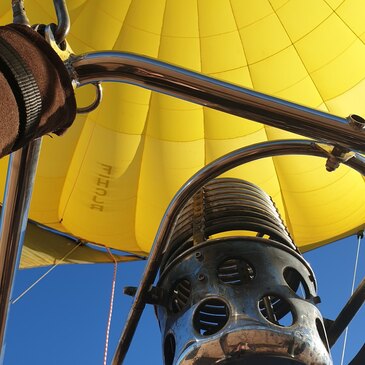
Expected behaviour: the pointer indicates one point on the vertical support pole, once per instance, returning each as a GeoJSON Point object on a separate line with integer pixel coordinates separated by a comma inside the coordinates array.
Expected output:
{"type": "Point", "coordinates": [18, 191]}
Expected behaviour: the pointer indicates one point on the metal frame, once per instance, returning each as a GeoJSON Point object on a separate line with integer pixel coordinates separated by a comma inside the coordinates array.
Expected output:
{"type": "Point", "coordinates": [194, 87]}
{"type": "Point", "coordinates": [345, 134]}
{"type": "Point", "coordinates": [219, 166]}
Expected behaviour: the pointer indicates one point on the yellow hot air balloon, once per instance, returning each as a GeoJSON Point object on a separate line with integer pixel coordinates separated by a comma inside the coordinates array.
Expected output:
{"type": "Point", "coordinates": [122, 163]}
{"type": "Point", "coordinates": [125, 161]}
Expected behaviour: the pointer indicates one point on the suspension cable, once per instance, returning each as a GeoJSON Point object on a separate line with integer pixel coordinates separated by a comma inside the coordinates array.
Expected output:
{"type": "Point", "coordinates": [360, 235]}
{"type": "Point", "coordinates": [46, 273]}
{"type": "Point", "coordinates": [110, 307]}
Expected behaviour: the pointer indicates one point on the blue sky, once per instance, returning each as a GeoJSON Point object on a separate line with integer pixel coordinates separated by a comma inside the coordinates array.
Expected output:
{"type": "Point", "coordinates": [62, 321]}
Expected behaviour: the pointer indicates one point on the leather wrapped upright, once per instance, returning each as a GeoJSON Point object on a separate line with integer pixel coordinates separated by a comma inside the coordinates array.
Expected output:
{"type": "Point", "coordinates": [36, 92]}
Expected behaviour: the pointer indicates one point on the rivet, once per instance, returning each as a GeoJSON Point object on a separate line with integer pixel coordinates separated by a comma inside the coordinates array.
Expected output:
{"type": "Point", "coordinates": [201, 277]}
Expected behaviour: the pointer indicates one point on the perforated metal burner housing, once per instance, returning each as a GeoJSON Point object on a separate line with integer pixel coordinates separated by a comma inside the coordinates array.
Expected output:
{"type": "Point", "coordinates": [240, 299]}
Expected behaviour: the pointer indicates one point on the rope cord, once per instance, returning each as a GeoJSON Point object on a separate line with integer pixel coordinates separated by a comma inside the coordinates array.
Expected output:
{"type": "Point", "coordinates": [110, 307]}
{"type": "Point", "coordinates": [13, 301]}
{"type": "Point", "coordinates": [360, 235]}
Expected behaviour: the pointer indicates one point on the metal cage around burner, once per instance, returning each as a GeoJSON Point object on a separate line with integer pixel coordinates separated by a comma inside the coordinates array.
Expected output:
{"type": "Point", "coordinates": [237, 291]}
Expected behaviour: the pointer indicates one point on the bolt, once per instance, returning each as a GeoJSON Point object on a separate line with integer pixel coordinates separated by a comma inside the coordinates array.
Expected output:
{"type": "Point", "coordinates": [130, 290]}
{"type": "Point", "coordinates": [199, 256]}
{"type": "Point", "coordinates": [201, 277]}
{"type": "Point", "coordinates": [332, 163]}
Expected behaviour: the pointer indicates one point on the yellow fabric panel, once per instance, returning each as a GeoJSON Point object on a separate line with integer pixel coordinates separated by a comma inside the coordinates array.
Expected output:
{"type": "Point", "coordinates": [186, 24]}
{"type": "Point", "coordinates": [174, 120]}
{"type": "Point", "coordinates": [352, 74]}
{"type": "Point", "coordinates": [351, 12]}
{"type": "Point", "coordinates": [208, 10]}
{"type": "Point", "coordinates": [239, 76]}
{"type": "Point", "coordinates": [334, 4]}
{"type": "Point", "coordinates": [304, 91]}
{"type": "Point", "coordinates": [117, 168]}
{"type": "Point", "coordinates": [222, 126]}
{"type": "Point", "coordinates": [177, 50]}
{"type": "Point", "coordinates": [284, 70]}
{"type": "Point", "coordinates": [138, 41]}
{"type": "Point", "coordinates": [75, 4]}
{"type": "Point", "coordinates": [264, 38]}
{"type": "Point", "coordinates": [321, 43]}
{"type": "Point", "coordinates": [233, 59]}
{"type": "Point", "coordinates": [216, 148]}
{"type": "Point", "coordinates": [180, 37]}
{"type": "Point", "coordinates": [100, 192]}
{"type": "Point", "coordinates": [277, 4]}
{"type": "Point", "coordinates": [38, 11]}
{"type": "Point", "coordinates": [312, 196]}
{"type": "Point", "coordinates": [176, 163]}
{"type": "Point", "coordinates": [44, 248]}
{"type": "Point", "coordinates": [3, 171]}
{"type": "Point", "coordinates": [50, 178]}
{"type": "Point", "coordinates": [124, 108]}
{"type": "Point", "coordinates": [144, 15]}
{"type": "Point", "coordinates": [91, 36]}
{"type": "Point", "coordinates": [352, 99]}
{"type": "Point", "coordinates": [299, 17]}
{"type": "Point", "coordinates": [250, 12]}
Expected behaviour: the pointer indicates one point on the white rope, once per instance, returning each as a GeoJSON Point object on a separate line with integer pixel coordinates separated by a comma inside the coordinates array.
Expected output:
{"type": "Point", "coordinates": [45, 274]}
{"type": "Point", "coordinates": [359, 237]}
{"type": "Point", "coordinates": [107, 332]}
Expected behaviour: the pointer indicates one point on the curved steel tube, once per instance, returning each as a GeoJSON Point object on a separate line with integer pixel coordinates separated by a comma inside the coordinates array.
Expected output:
{"type": "Point", "coordinates": [63, 19]}
{"type": "Point", "coordinates": [219, 166]}
{"type": "Point", "coordinates": [197, 88]}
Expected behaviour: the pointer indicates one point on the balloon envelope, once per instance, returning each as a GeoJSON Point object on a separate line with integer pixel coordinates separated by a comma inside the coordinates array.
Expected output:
{"type": "Point", "coordinates": [109, 179]}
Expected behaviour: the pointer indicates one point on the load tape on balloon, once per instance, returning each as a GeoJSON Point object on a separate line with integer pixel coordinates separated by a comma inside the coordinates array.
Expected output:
{"type": "Point", "coordinates": [37, 96]}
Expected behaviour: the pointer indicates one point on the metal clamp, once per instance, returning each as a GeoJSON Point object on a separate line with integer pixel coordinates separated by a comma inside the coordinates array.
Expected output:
{"type": "Point", "coordinates": [336, 155]}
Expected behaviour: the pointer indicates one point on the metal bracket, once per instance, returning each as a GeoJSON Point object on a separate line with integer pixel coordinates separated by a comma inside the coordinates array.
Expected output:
{"type": "Point", "coordinates": [336, 155]}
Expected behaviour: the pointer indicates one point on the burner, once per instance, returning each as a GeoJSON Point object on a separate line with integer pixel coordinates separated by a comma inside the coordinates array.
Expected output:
{"type": "Point", "coordinates": [238, 290]}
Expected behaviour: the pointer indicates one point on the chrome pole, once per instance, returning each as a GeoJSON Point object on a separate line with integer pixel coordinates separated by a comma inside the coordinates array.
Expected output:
{"type": "Point", "coordinates": [18, 191]}
{"type": "Point", "coordinates": [197, 88]}
{"type": "Point", "coordinates": [196, 182]}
